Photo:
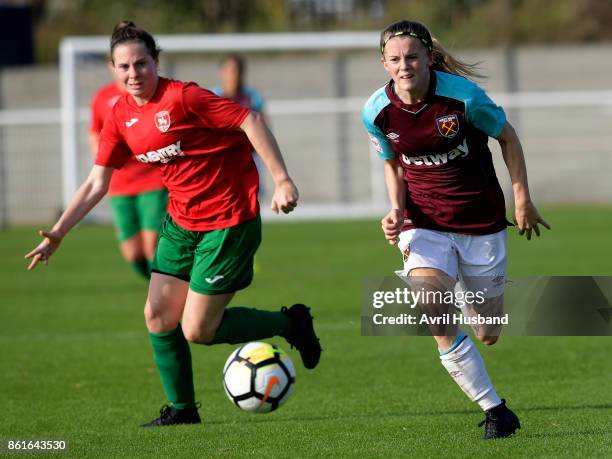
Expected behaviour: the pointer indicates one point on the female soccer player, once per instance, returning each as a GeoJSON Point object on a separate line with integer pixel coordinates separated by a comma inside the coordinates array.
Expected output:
{"type": "Point", "coordinates": [430, 125]}
{"type": "Point", "coordinates": [138, 197]}
{"type": "Point", "coordinates": [203, 144]}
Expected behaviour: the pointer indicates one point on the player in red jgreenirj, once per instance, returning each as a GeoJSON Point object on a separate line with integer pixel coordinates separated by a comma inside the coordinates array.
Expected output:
{"type": "Point", "coordinates": [138, 198]}
{"type": "Point", "coordinates": [202, 144]}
